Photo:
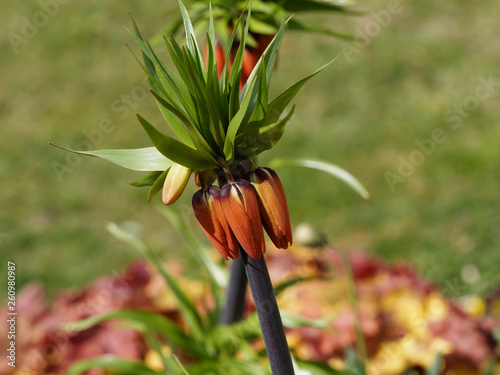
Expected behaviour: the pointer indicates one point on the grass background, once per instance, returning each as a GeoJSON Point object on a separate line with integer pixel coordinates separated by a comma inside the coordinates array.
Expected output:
{"type": "Point", "coordinates": [364, 113]}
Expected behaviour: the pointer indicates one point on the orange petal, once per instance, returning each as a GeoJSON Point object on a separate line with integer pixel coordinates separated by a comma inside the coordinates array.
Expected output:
{"type": "Point", "coordinates": [241, 210]}
{"type": "Point", "coordinates": [209, 223]}
{"type": "Point", "coordinates": [252, 208]}
{"type": "Point", "coordinates": [281, 190]}
{"type": "Point", "coordinates": [216, 207]}
{"type": "Point", "coordinates": [271, 207]}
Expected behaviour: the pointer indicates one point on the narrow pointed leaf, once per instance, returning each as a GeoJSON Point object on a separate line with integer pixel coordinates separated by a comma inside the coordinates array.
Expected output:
{"type": "Point", "coordinates": [193, 134]}
{"type": "Point", "coordinates": [197, 249]}
{"type": "Point", "coordinates": [147, 60]}
{"type": "Point", "coordinates": [235, 75]}
{"type": "Point", "coordinates": [114, 365]}
{"type": "Point", "coordinates": [147, 180]}
{"type": "Point", "coordinates": [188, 312]}
{"type": "Point", "coordinates": [280, 288]}
{"type": "Point", "coordinates": [435, 369]}
{"type": "Point", "coordinates": [252, 142]}
{"type": "Point", "coordinates": [326, 167]}
{"type": "Point", "coordinates": [318, 368]}
{"type": "Point", "coordinates": [291, 320]}
{"type": "Point", "coordinates": [190, 35]}
{"type": "Point", "coordinates": [174, 150]}
{"type": "Point", "coordinates": [298, 25]}
{"type": "Point", "coordinates": [147, 159]}
{"type": "Point", "coordinates": [217, 276]}
{"type": "Point", "coordinates": [258, 115]}
{"type": "Point", "coordinates": [155, 322]}
{"type": "Point", "coordinates": [270, 55]}
{"type": "Point", "coordinates": [157, 185]}
{"type": "Point", "coordinates": [278, 105]}
{"type": "Point", "coordinates": [317, 5]}
{"type": "Point", "coordinates": [234, 126]}
{"type": "Point", "coordinates": [169, 364]}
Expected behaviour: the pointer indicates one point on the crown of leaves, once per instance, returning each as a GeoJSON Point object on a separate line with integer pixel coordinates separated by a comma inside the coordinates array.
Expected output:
{"type": "Point", "coordinates": [211, 117]}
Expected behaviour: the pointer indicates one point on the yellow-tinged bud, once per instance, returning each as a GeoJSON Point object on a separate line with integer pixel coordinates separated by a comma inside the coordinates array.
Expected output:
{"type": "Point", "coordinates": [242, 212]}
{"type": "Point", "coordinates": [208, 211]}
{"type": "Point", "coordinates": [272, 205]}
{"type": "Point", "coordinates": [175, 183]}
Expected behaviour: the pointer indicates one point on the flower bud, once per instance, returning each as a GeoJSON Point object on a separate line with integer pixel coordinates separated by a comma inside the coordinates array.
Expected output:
{"type": "Point", "coordinates": [242, 212]}
{"type": "Point", "coordinates": [175, 183]}
{"type": "Point", "coordinates": [208, 211]}
{"type": "Point", "coordinates": [272, 205]}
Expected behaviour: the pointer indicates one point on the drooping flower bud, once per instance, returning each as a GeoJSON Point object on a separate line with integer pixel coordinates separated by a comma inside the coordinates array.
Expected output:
{"type": "Point", "coordinates": [273, 206]}
{"type": "Point", "coordinates": [175, 183]}
{"type": "Point", "coordinates": [208, 211]}
{"type": "Point", "coordinates": [242, 212]}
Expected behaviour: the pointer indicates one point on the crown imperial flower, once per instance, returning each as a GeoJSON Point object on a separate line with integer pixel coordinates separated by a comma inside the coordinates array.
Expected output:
{"type": "Point", "coordinates": [242, 212]}
{"type": "Point", "coordinates": [208, 211]}
{"type": "Point", "coordinates": [272, 205]}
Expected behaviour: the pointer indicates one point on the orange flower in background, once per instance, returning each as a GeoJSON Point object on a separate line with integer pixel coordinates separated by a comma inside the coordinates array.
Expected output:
{"type": "Point", "coordinates": [208, 211]}
{"type": "Point", "coordinates": [273, 207]}
{"type": "Point", "coordinates": [241, 209]}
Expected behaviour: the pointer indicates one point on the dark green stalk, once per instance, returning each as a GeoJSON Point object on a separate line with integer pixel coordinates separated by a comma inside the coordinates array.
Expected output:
{"type": "Point", "coordinates": [269, 315]}
{"type": "Point", "coordinates": [236, 292]}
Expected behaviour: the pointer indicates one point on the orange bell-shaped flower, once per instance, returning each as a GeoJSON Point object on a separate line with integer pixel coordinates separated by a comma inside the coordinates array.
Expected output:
{"type": "Point", "coordinates": [209, 213]}
{"type": "Point", "coordinates": [242, 212]}
{"type": "Point", "coordinates": [272, 205]}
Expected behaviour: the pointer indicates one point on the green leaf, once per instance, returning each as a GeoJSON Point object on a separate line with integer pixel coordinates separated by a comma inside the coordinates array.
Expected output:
{"type": "Point", "coordinates": [262, 27]}
{"type": "Point", "coordinates": [298, 25]}
{"type": "Point", "coordinates": [316, 368]}
{"type": "Point", "coordinates": [147, 159]}
{"type": "Point", "coordinates": [169, 365]}
{"type": "Point", "coordinates": [234, 126]}
{"type": "Point", "coordinates": [316, 5]}
{"type": "Point", "coordinates": [259, 107]}
{"type": "Point", "coordinates": [190, 35]}
{"type": "Point", "coordinates": [353, 365]}
{"type": "Point", "coordinates": [118, 366]}
{"type": "Point", "coordinates": [152, 321]}
{"type": "Point", "coordinates": [165, 83]}
{"type": "Point", "coordinates": [287, 284]}
{"type": "Point", "coordinates": [252, 142]}
{"type": "Point", "coordinates": [186, 307]}
{"type": "Point", "coordinates": [490, 367]}
{"type": "Point", "coordinates": [295, 321]}
{"type": "Point", "coordinates": [217, 276]}
{"type": "Point", "coordinates": [175, 150]}
{"type": "Point", "coordinates": [199, 251]}
{"type": "Point", "coordinates": [436, 367]}
{"type": "Point", "coordinates": [197, 139]}
{"type": "Point", "coordinates": [235, 74]}
{"type": "Point", "coordinates": [157, 185]}
{"type": "Point", "coordinates": [147, 180]}
{"type": "Point", "coordinates": [270, 55]}
{"type": "Point", "coordinates": [326, 167]}
{"type": "Point", "coordinates": [278, 105]}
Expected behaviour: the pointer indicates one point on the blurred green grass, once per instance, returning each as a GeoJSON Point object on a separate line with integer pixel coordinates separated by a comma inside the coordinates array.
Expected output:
{"type": "Point", "coordinates": [363, 113]}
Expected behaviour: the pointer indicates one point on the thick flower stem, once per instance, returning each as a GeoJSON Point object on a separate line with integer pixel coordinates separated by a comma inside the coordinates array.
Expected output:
{"type": "Point", "coordinates": [269, 315]}
{"type": "Point", "coordinates": [236, 292]}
